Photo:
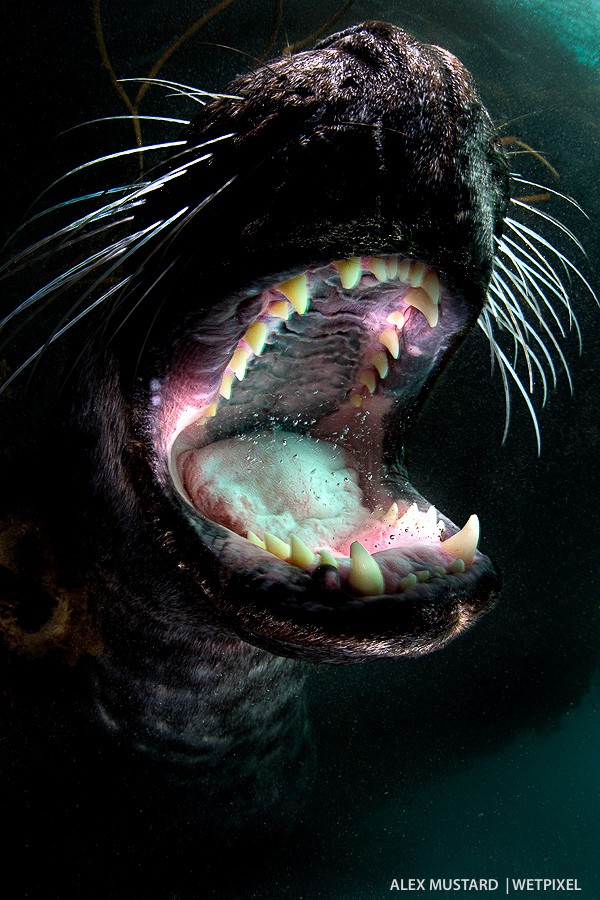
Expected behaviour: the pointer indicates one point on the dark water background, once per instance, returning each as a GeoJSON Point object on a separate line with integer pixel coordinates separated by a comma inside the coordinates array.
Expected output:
{"type": "Point", "coordinates": [480, 760]}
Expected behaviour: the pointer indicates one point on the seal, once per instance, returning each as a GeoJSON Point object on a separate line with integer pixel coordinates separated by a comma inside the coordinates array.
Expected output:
{"type": "Point", "coordinates": [292, 280]}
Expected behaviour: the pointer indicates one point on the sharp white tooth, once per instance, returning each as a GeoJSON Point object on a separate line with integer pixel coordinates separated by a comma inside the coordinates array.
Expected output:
{"type": "Point", "coordinates": [254, 539]}
{"type": "Point", "coordinates": [391, 264]}
{"type": "Point", "coordinates": [416, 273]}
{"type": "Point", "coordinates": [396, 318]}
{"type": "Point", "coordinates": [391, 515]}
{"type": "Point", "coordinates": [327, 559]}
{"type": "Point", "coordinates": [256, 337]}
{"type": "Point", "coordinates": [226, 382]}
{"type": "Point", "coordinates": [349, 271]}
{"type": "Point", "coordinates": [376, 265]}
{"type": "Point", "coordinates": [239, 363]}
{"type": "Point", "coordinates": [367, 377]}
{"type": "Point", "coordinates": [380, 362]}
{"type": "Point", "coordinates": [408, 581]}
{"type": "Point", "coordinates": [464, 544]}
{"type": "Point", "coordinates": [403, 269]}
{"type": "Point", "coordinates": [356, 400]}
{"type": "Point", "coordinates": [431, 518]}
{"type": "Point", "coordinates": [365, 575]}
{"type": "Point", "coordinates": [421, 300]}
{"type": "Point", "coordinates": [280, 309]}
{"type": "Point", "coordinates": [277, 547]}
{"type": "Point", "coordinates": [296, 291]}
{"type": "Point", "coordinates": [431, 284]}
{"type": "Point", "coordinates": [300, 555]}
{"type": "Point", "coordinates": [389, 339]}
{"type": "Point", "coordinates": [410, 517]}
{"type": "Point", "coordinates": [210, 411]}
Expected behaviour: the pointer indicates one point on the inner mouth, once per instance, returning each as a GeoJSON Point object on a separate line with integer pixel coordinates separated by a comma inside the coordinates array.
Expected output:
{"type": "Point", "coordinates": [289, 443]}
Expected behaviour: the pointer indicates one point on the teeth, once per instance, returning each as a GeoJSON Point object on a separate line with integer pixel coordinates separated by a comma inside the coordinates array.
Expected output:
{"type": "Point", "coordinates": [416, 274]}
{"type": "Point", "coordinates": [300, 555]}
{"type": "Point", "coordinates": [254, 539]}
{"type": "Point", "coordinates": [368, 379]}
{"type": "Point", "coordinates": [423, 575]}
{"type": "Point", "coordinates": [327, 559]}
{"type": "Point", "coordinates": [280, 309]}
{"type": "Point", "coordinates": [256, 337]}
{"type": "Point", "coordinates": [391, 515]}
{"type": "Point", "coordinates": [396, 318]}
{"type": "Point", "coordinates": [296, 291]}
{"type": "Point", "coordinates": [464, 544]}
{"type": "Point", "coordinates": [349, 271]}
{"type": "Point", "coordinates": [239, 363]}
{"type": "Point", "coordinates": [377, 266]}
{"type": "Point", "coordinates": [365, 575]}
{"type": "Point", "coordinates": [457, 566]}
{"type": "Point", "coordinates": [408, 581]}
{"type": "Point", "coordinates": [431, 284]}
{"type": "Point", "coordinates": [226, 382]}
{"type": "Point", "coordinates": [380, 362]}
{"type": "Point", "coordinates": [276, 546]}
{"type": "Point", "coordinates": [403, 269]}
{"type": "Point", "coordinates": [391, 265]}
{"type": "Point", "coordinates": [210, 411]}
{"type": "Point", "coordinates": [438, 570]}
{"type": "Point", "coordinates": [421, 300]}
{"type": "Point", "coordinates": [356, 400]}
{"type": "Point", "coordinates": [389, 339]}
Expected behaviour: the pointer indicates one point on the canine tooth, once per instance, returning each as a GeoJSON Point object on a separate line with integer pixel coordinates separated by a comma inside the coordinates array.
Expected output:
{"type": "Point", "coordinates": [389, 339]}
{"type": "Point", "coordinates": [365, 575]}
{"type": "Point", "coordinates": [396, 318]}
{"type": "Point", "coordinates": [356, 400]}
{"type": "Point", "coordinates": [280, 309]}
{"type": "Point", "coordinates": [431, 284]}
{"type": "Point", "coordinates": [376, 265]}
{"type": "Point", "coordinates": [416, 274]}
{"type": "Point", "coordinates": [380, 362]}
{"type": "Point", "coordinates": [423, 575]}
{"type": "Point", "coordinates": [296, 291]}
{"type": "Point", "coordinates": [391, 265]}
{"type": "Point", "coordinates": [276, 546]}
{"type": "Point", "coordinates": [327, 559]}
{"type": "Point", "coordinates": [464, 544]}
{"type": "Point", "coordinates": [391, 515]}
{"type": "Point", "coordinates": [256, 337]}
{"type": "Point", "coordinates": [403, 269]}
{"type": "Point", "coordinates": [254, 539]}
{"type": "Point", "coordinates": [457, 566]}
{"type": "Point", "coordinates": [210, 411]}
{"type": "Point", "coordinates": [226, 382]}
{"type": "Point", "coordinates": [239, 363]}
{"type": "Point", "coordinates": [408, 581]}
{"type": "Point", "coordinates": [367, 377]}
{"type": "Point", "coordinates": [349, 271]}
{"type": "Point", "coordinates": [421, 300]}
{"type": "Point", "coordinates": [300, 555]}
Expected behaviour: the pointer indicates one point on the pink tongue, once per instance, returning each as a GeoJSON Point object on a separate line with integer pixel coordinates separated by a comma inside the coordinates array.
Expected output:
{"type": "Point", "coordinates": [283, 483]}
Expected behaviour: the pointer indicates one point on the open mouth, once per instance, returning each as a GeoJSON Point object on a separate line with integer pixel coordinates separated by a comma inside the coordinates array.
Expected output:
{"type": "Point", "coordinates": [287, 455]}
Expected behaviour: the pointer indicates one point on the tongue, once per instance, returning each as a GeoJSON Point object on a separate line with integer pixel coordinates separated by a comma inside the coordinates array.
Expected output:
{"type": "Point", "coordinates": [280, 482]}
